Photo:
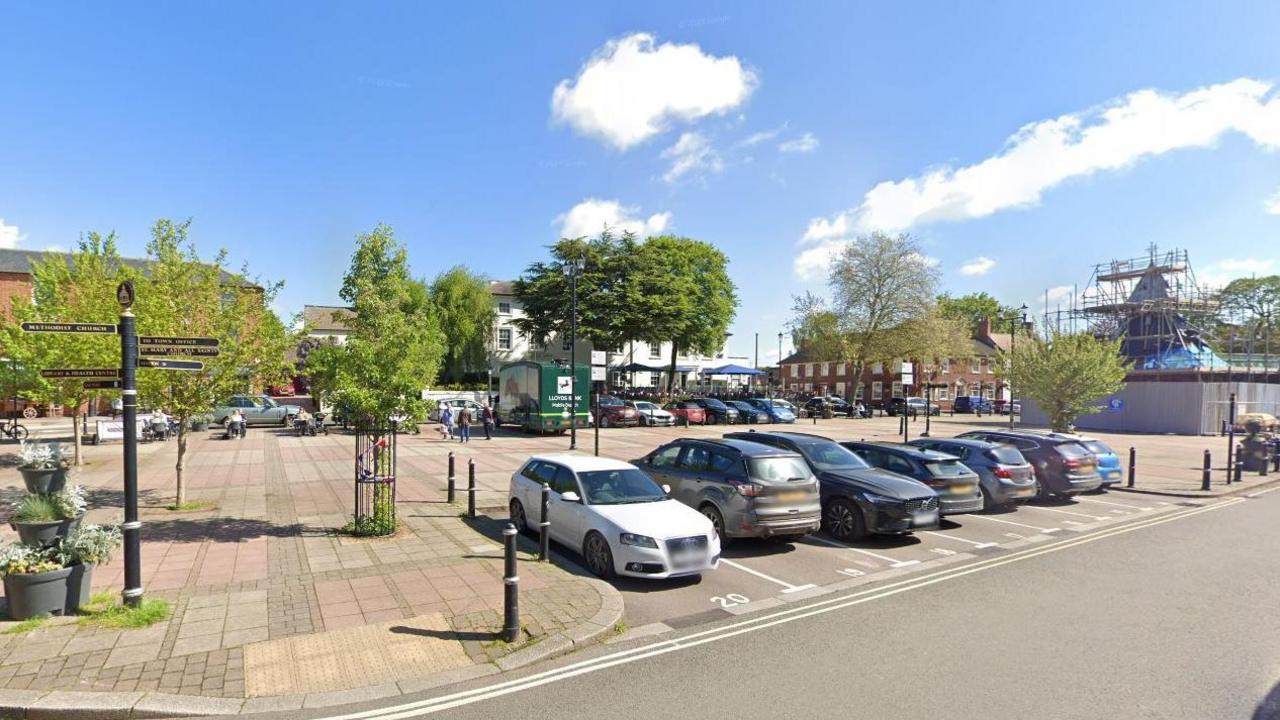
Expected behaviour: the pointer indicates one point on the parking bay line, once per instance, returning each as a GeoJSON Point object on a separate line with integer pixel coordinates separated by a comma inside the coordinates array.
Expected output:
{"type": "Point", "coordinates": [1104, 502]}
{"type": "Point", "coordinates": [892, 563]}
{"type": "Point", "coordinates": [789, 587]}
{"type": "Point", "coordinates": [1010, 522]}
{"type": "Point", "coordinates": [974, 543]}
{"type": "Point", "coordinates": [1068, 512]}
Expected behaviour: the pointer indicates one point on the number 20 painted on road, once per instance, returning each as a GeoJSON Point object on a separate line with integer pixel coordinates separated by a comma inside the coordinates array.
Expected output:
{"type": "Point", "coordinates": [730, 600]}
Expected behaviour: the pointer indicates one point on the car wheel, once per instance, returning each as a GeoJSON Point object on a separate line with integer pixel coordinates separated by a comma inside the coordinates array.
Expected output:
{"type": "Point", "coordinates": [712, 513]}
{"type": "Point", "coordinates": [595, 550]}
{"type": "Point", "coordinates": [518, 519]}
{"type": "Point", "coordinates": [988, 502]}
{"type": "Point", "coordinates": [1043, 494]}
{"type": "Point", "coordinates": [604, 421]}
{"type": "Point", "coordinates": [842, 520]}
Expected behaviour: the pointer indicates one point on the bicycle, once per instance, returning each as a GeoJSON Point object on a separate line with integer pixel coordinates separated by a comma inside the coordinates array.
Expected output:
{"type": "Point", "coordinates": [12, 429]}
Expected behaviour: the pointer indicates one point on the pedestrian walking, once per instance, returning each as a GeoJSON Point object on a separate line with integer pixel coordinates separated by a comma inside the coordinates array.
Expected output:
{"type": "Point", "coordinates": [446, 422]}
{"type": "Point", "coordinates": [464, 424]}
{"type": "Point", "coordinates": [486, 416]}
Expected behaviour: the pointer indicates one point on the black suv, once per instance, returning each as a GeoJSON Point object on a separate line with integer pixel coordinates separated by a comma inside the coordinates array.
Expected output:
{"type": "Point", "coordinates": [1063, 466]}
{"type": "Point", "coordinates": [956, 485]}
{"type": "Point", "coordinates": [857, 499]}
{"type": "Point", "coordinates": [717, 412]}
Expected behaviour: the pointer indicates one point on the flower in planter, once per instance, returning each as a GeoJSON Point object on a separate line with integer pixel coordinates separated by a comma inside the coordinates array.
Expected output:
{"type": "Point", "coordinates": [63, 505]}
{"type": "Point", "coordinates": [90, 545]}
{"type": "Point", "coordinates": [43, 456]}
{"type": "Point", "coordinates": [70, 501]}
{"type": "Point", "coordinates": [23, 560]}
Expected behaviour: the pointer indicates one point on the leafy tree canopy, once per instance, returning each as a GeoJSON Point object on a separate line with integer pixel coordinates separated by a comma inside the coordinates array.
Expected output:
{"type": "Point", "coordinates": [971, 309]}
{"type": "Point", "coordinates": [1067, 374]}
{"type": "Point", "coordinates": [465, 309]}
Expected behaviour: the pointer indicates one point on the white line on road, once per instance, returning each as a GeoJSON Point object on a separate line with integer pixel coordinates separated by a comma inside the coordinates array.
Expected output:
{"type": "Point", "coordinates": [1263, 492]}
{"type": "Point", "coordinates": [892, 563]}
{"type": "Point", "coordinates": [1105, 502]}
{"type": "Point", "coordinates": [1010, 522]}
{"type": "Point", "coordinates": [1068, 512]}
{"type": "Point", "coordinates": [789, 587]}
{"type": "Point", "coordinates": [419, 708]}
{"type": "Point", "coordinates": [974, 543]}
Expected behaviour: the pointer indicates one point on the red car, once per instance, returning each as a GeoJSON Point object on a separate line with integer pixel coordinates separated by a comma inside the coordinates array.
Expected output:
{"type": "Point", "coordinates": [687, 413]}
{"type": "Point", "coordinates": [612, 412]}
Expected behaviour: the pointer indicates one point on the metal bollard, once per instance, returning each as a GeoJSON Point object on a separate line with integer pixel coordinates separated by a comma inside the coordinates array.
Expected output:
{"type": "Point", "coordinates": [1206, 481]}
{"type": "Point", "coordinates": [453, 492]}
{"type": "Point", "coordinates": [1239, 469]}
{"type": "Point", "coordinates": [544, 526]}
{"type": "Point", "coordinates": [1262, 467]}
{"type": "Point", "coordinates": [471, 488]}
{"type": "Point", "coordinates": [1223, 431]}
{"type": "Point", "coordinates": [1133, 463]}
{"type": "Point", "coordinates": [1275, 467]}
{"type": "Point", "coordinates": [511, 586]}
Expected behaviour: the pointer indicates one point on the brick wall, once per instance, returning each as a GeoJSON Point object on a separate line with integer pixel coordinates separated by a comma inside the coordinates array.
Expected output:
{"type": "Point", "coordinates": [13, 285]}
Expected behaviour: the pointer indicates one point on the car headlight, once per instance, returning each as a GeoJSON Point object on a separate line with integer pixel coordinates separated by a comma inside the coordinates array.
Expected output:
{"type": "Point", "coordinates": [882, 501]}
{"type": "Point", "coordinates": [638, 540]}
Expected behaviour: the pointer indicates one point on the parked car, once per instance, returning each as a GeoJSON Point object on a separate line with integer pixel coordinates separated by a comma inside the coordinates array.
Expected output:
{"type": "Point", "coordinates": [857, 499]}
{"type": "Point", "coordinates": [611, 411]}
{"type": "Point", "coordinates": [779, 411]}
{"type": "Point", "coordinates": [1109, 467]}
{"type": "Point", "coordinates": [257, 410]}
{"type": "Point", "coordinates": [817, 406]}
{"type": "Point", "coordinates": [955, 484]}
{"type": "Point", "coordinates": [912, 406]}
{"type": "Point", "coordinates": [745, 489]}
{"type": "Point", "coordinates": [716, 412]}
{"type": "Point", "coordinates": [1001, 407]}
{"type": "Point", "coordinates": [971, 404]}
{"type": "Point", "coordinates": [619, 519]}
{"type": "Point", "coordinates": [1063, 466]}
{"type": "Point", "coordinates": [918, 405]}
{"type": "Point", "coordinates": [687, 412]}
{"type": "Point", "coordinates": [747, 412]}
{"type": "Point", "coordinates": [650, 414]}
{"type": "Point", "coordinates": [455, 405]}
{"type": "Point", "coordinates": [1004, 476]}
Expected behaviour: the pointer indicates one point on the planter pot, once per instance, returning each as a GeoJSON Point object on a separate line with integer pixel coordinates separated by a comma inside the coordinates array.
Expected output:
{"type": "Point", "coordinates": [79, 587]}
{"type": "Point", "coordinates": [39, 534]}
{"type": "Point", "coordinates": [44, 481]}
{"type": "Point", "coordinates": [36, 594]}
{"type": "Point", "coordinates": [199, 427]}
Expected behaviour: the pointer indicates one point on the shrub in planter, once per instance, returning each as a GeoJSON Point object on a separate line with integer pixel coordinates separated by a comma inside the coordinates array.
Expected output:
{"type": "Point", "coordinates": [200, 423]}
{"type": "Point", "coordinates": [35, 582]}
{"type": "Point", "coordinates": [42, 519]}
{"type": "Point", "coordinates": [43, 466]}
{"type": "Point", "coordinates": [90, 545]}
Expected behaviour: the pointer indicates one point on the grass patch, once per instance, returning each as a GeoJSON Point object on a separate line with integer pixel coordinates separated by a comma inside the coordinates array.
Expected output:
{"type": "Point", "coordinates": [190, 506]}
{"type": "Point", "coordinates": [619, 627]}
{"type": "Point", "coordinates": [104, 612]}
{"type": "Point", "coordinates": [27, 625]}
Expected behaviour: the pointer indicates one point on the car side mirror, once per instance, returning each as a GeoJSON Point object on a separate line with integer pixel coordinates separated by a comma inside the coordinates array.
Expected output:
{"type": "Point", "coordinates": [570, 497]}
{"type": "Point", "coordinates": [666, 489]}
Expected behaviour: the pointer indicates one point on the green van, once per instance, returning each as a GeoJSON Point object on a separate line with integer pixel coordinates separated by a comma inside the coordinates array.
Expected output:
{"type": "Point", "coordinates": [540, 397]}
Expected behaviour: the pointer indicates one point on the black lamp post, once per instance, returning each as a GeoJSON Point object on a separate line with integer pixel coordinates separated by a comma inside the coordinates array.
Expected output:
{"type": "Point", "coordinates": [779, 363]}
{"type": "Point", "coordinates": [573, 267]}
{"type": "Point", "coordinates": [1014, 326]}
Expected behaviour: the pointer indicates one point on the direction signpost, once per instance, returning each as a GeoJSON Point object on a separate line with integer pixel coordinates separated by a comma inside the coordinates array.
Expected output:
{"type": "Point", "coordinates": [193, 351]}
{"type": "Point", "coordinates": [154, 341]}
{"type": "Point", "coordinates": [99, 328]}
{"type": "Point", "coordinates": [101, 384]}
{"type": "Point", "coordinates": [62, 373]}
{"type": "Point", "coordinates": [170, 364]}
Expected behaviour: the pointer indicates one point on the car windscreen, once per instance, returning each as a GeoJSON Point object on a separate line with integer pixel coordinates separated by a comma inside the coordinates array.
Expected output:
{"type": "Point", "coordinates": [1072, 450]}
{"type": "Point", "coordinates": [828, 456]}
{"type": "Point", "coordinates": [646, 406]}
{"type": "Point", "coordinates": [778, 469]}
{"type": "Point", "coordinates": [946, 468]}
{"type": "Point", "coordinates": [1098, 447]}
{"type": "Point", "coordinates": [1005, 455]}
{"type": "Point", "coordinates": [784, 405]}
{"type": "Point", "coordinates": [714, 404]}
{"type": "Point", "coordinates": [619, 487]}
{"type": "Point", "coordinates": [607, 400]}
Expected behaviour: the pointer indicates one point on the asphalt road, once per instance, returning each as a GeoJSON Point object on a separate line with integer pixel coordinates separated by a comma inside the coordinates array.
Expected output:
{"type": "Point", "coordinates": [1174, 616]}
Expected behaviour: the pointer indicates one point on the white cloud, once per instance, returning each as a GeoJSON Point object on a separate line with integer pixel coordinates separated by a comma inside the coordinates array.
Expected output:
{"type": "Point", "coordinates": [758, 137]}
{"type": "Point", "coordinates": [692, 153]}
{"type": "Point", "coordinates": [592, 215]}
{"type": "Point", "coordinates": [10, 236]}
{"type": "Point", "coordinates": [806, 143]}
{"type": "Point", "coordinates": [1044, 154]}
{"type": "Point", "coordinates": [1272, 205]}
{"type": "Point", "coordinates": [1246, 266]}
{"type": "Point", "coordinates": [978, 266]}
{"type": "Point", "coordinates": [632, 88]}
{"type": "Point", "coordinates": [1060, 292]}
{"type": "Point", "coordinates": [1218, 274]}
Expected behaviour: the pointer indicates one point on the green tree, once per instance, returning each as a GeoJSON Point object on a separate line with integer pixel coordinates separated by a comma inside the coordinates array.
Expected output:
{"type": "Point", "coordinates": [1066, 374]}
{"type": "Point", "coordinates": [79, 287]}
{"type": "Point", "coordinates": [181, 295]}
{"type": "Point", "coordinates": [465, 309]}
{"type": "Point", "coordinates": [971, 309]}
{"type": "Point", "coordinates": [394, 346]}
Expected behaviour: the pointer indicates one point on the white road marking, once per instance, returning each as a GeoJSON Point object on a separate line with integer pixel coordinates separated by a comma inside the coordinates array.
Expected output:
{"type": "Point", "coordinates": [1263, 492]}
{"type": "Point", "coordinates": [942, 551]}
{"type": "Point", "coordinates": [1105, 502]}
{"type": "Point", "coordinates": [1068, 512]}
{"type": "Point", "coordinates": [1015, 536]}
{"type": "Point", "coordinates": [892, 563]}
{"type": "Point", "coordinates": [419, 708]}
{"type": "Point", "coordinates": [789, 587]}
{"type": "Point", "coordinates": [1010, 522]}
{"type": "Point", "coordinates": [974, 543]}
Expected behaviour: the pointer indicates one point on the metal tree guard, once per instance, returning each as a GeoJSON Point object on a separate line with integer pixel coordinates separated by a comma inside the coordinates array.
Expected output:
{"type": "Point", "coordinates": [375, 508]}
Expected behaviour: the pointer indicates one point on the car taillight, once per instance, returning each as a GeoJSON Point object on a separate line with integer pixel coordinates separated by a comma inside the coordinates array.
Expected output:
{"type": "Point", "coordinates": [1003, 473]}
{"type": "Point", "coordinates": [747, 489]}
{"type": "Point", "coordinates": [1071, 464]}
{"type": "Point", "coordinates": [937, 482]}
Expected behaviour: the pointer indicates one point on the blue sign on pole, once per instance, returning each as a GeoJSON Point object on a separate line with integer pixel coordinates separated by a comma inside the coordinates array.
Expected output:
{"type": "Point", "coordinates": [1115, 405]}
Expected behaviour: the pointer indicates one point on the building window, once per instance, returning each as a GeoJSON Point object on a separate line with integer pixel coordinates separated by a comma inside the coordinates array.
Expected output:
{"type": "Point", "coordinates": [840, 368]}
{"type": "Point", "coordinates": [795, 370]}
{"type": "Point", "coordinates": [504, 308]}
{"type": "Point", "coordinates": [946, 366]}
{"type": "Point", "coordinates": [826, 368]}
{"type": "Point", "coordinates": [940, 393]}
{"type": "Point", "coordinates": [504, 338]}
{"type": "Point", "coordinates": [877, 369]}
{"type": "Point", "coordinates": [808, 369]}
{"type": "Point", "coordinates": [991, 365]}
{"type": "Point", "coordinates": [897, 389]}
{"type": "Point", "coordinates": [961, 388]}
{"type": "Point", "coordinates": [655, 352]}
{"type": "Point", "coordinates": [840, 389]}
{"type": "Point", "coordinates": [877, 390]}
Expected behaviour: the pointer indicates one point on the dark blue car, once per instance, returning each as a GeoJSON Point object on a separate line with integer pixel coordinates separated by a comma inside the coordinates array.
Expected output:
{"type": "Point", "coordinates": [971, 404]}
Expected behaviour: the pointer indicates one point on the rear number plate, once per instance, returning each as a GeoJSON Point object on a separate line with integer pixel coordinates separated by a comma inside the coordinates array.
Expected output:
{"type": "Point", "coordinates": [793, 496]}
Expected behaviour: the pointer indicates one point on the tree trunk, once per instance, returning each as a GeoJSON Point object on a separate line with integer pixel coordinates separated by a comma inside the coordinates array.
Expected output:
{"type": "Point", "coordinates": [671, 373]}
{"type": "Point", "coordinates": [75, 432]}
{"type": "Point", "coordinates": [181, 495]}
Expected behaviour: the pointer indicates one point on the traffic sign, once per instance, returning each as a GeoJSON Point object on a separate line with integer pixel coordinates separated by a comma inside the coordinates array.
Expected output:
{"type": "Point", "coordinates": [100, 328]}
{"type": "Point", "coordinates": [166, 350]}
{"type": "Point", "coordinates": [53, 373]}
{"type": "Point", "coordinates": [101, 384]}
{"type": "Point", "coordinates": [153, 341]}
{"type": "Point", "coordinates": [170, 364]}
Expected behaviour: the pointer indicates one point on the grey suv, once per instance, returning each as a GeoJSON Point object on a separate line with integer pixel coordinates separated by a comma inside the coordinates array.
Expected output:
{"type": "Point", "coordinates": [257, 410]}
{"type": "Point", "coordinates": [1005, 476]}
{"type": "Point", "coordinates": [745, 489]}
{"type": "Point", "coordinates": [1063, 466]}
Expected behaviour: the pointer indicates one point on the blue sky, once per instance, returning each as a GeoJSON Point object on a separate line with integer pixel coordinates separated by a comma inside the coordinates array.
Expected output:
{"type": "Point", "coordinates": [286, 129]}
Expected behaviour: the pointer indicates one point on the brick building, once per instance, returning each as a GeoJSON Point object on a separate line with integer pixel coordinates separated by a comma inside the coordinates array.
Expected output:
{"type": "Point", "coordinates": [980, 373]}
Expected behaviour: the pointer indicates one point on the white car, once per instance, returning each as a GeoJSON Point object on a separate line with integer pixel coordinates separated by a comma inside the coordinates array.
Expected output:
{"type": "Point", "coordinates": [621, 521]}
{"type": "Point", "coordinates": [651, 414]}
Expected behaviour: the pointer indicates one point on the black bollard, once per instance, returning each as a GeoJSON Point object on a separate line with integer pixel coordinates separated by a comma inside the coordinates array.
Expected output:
{"type": "Point", "coordinates": [544, 526]}
{"type": "Point", "coordinates": [1275, 466]}
{"type": "Point", "coordinates": [511, 585]}
{"type": "Point", "coordinates": [453, 481]}
{"type": "Point", "coordinates": [471, 488]}
{"type": "Point", "coordinates": [1133, 463]}
{"type": "Point", "coordinates": [1239, 469]}
{"type": "Point", "coordinates": [1207, 480]}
